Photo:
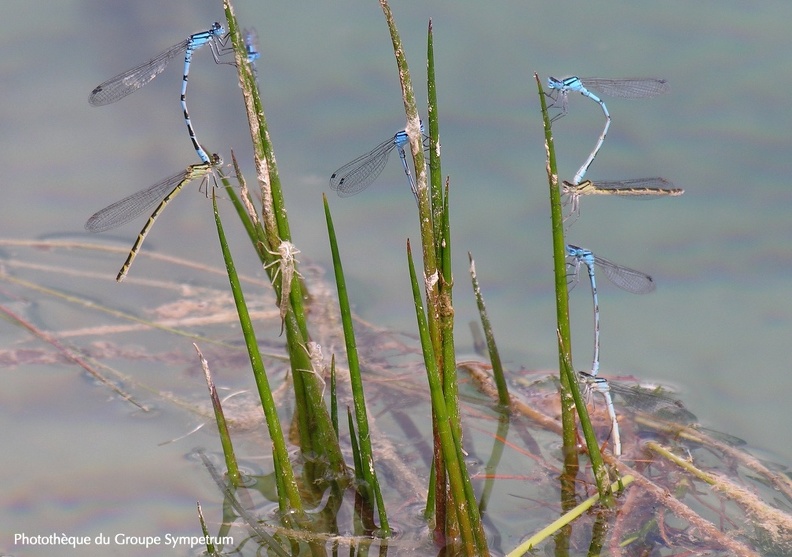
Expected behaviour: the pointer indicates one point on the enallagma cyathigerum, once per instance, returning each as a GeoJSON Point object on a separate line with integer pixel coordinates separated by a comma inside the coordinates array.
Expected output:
{"type": "Point", "coordinates": [118, 87]}
{"type": "Point", "coordinates": [623, 277]}
{"type": "Point", "coordinates": [250, 38]}
{"type": "Point", "coordinates": [631, 88]}
{"type": "Point", "coordinates": [357, 175]}
{"type": "Point", "coordinates": [130, 207]}
{"type": "Point", "coordinates": [634, 188]}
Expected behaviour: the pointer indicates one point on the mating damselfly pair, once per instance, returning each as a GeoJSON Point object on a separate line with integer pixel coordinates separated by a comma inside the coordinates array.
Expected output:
{"type": "Point", "coordinates": [125, 83]}
{"type": "Point", "coordinates": [625, 278]}
{"type": "Point", "coordinates": [631, 88]}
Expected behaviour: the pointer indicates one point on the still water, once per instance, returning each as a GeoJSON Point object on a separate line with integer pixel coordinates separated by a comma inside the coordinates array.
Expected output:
{"type": "Point", "coordinates": [717, 327]}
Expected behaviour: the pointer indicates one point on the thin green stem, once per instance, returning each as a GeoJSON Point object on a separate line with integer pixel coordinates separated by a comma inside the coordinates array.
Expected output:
{"type": "Point", "coordinates": [413, 129]}
{"type": "Point", "coordinates": [470, 530]}
{"type": "Point", "coordinates": [562, 298]}
{"type": "Point", "coordinates": [435, 171]}
{"type": "Point", "coordinates": [601, 476]}
{"type": "Point", "coordinates": [222, 426]}
{"type": "Point", "coordinates": [492, 347]}
{"type": "Point", "coordinates": [442, 237]}
{"type": "Point", "coordinates": [358, 396]}
{"type": "Point", "coordinates": [288, 495]}
{"type": "Point", "coordinates": [571, 398]}
{"type": "Point", "coordinates": [315, 427]}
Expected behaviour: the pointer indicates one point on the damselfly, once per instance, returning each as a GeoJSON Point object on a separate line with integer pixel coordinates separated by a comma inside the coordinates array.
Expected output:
{"type": "Point", "coordinates": [631, 88]}
{"type": "Point", "coordinates": [118, 87]}
{"type": "Point", "coordinates": [623, 277]}
{"type": "Point", "coordinates": [130, 207]}
{"type": "Point", "coordinates": [635, 188]}
{"type": "Point", "coordinates": [357, 175]}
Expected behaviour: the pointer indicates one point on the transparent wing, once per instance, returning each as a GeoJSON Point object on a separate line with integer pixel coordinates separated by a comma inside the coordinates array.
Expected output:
{"type": "Point", "coordinates": [651, 401]}
{"type": "Point", "coordinates": [630, 88]}
{"type": "Point", "coordinates": [357, 175]}
{"type": "Point", "coordinates": [118, 87]}
{"type": "Point", "coordinates": [626, 278]}
{"type": "Point", "coordinates": [130, 207]}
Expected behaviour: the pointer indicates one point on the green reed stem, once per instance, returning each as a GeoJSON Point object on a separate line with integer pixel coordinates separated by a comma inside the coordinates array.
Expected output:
{"type": "Point", "coordinates": [358, 397]}
{"type": "Point", "coordinates": [562, 296]}
{"type": "Point", "coordinates": [442, 237]}
{"type": "Point", "coordinates": [288, 495]}
{"type": "Point", "coordinates": [413, 129]}
{"type": "Point", "coordinates": [492, 347]}
{"type": "Point", "coordinates": [274, 209]}
{"type": "Point", "coordinates": [435, 171]}
{"type": "Point", "coordinates": [314, 425]}
{"type": "Point", "coordinates": [222, 425]}
{"type": "Point", "coordinates": [571, 398]}
{"type": "Point", "coordinates": [333, 396]}
{"type": "Point", "coordinates": [433, 216]}
{"type": "Point", "coordinates": [601, 477]}
{"type": "Point", "coordinates": [210, 548]}
{"type": "Point", "coordinates": [466, 512]}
